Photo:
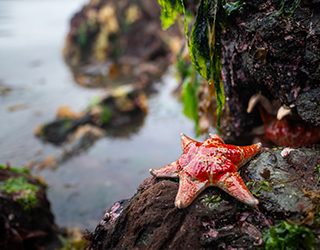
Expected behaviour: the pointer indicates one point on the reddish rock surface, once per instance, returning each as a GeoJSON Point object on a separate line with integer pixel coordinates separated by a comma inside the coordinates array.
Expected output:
{"type": "Point", "coordinates": [215, 220]}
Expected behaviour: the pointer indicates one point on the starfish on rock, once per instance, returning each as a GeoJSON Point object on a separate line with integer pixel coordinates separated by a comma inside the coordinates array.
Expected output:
{"type": "Point", "coordinates": [211, 163]}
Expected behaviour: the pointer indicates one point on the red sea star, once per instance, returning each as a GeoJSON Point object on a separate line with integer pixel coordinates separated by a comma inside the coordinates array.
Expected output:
{"type": "Point", "coordinates": [211, 163]}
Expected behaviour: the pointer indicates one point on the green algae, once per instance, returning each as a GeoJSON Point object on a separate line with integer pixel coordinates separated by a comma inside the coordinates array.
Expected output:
{"type": "Point", "coordinates": [190, 98]}
{"type": "Point", "coordinates": [106, 115]}
{"type": "Point", "coordinates": [286, 236]}
{"type": "Point", "coordinates": [204, 43]}
{"type": "Point", "coordinates": [169, 11]}
{"type": "Point", "coordinates": [16, 170]}
{"type": "Point", "coordinates": [256, 186]}
{"type": "Point", "coordinates": [26, 192]}
{"type": "Point", "coordinates": [287, 7]}
{"type": "Point", "coordinates": [212, 202]}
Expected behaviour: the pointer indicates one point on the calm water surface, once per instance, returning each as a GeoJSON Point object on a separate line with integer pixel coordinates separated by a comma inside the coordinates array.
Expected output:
{"type": "Point", "coordinates": [31, 39]}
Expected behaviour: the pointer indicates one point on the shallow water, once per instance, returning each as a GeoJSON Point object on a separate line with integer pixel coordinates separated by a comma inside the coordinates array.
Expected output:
{"type": "Point", "coordinates": [31, 39]}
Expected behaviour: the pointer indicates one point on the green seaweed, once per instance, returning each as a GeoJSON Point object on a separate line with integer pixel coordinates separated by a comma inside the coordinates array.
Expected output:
{"type": "Point", "coordinates": [169, 11]}
{"type": "Point", "coordinates": [286, 236]}
{"type": "Point", "coordinates": [27, 192]}
{"type": "Point", "coordinates": [82, 35]}
{"type": "Point", "coordinates": [287, 7]}
{"type": "Point", "coordinates": [204, 42]}
{"type": "Point", "coordinates": [212, 202]}
{"type": "Point", "coordinates": [66, 125]}
{"type": "Point", "coordinates": [106, 115]}
{"type": "Point", "coordinates": [199, 45]}
{"type": "Point", "coordinates": [22, 170]}
{"type": "Point", "coordinates": [94, 102]}
{"type": "Point", "coordinates": [233, 7]}
{"type": "Point", "coordinates": [256, 186]}
{"type": "Point", "coordinates": [190, 97]}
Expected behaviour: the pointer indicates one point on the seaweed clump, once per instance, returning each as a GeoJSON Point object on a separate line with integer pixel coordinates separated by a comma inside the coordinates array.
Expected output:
{"type": "Point", "coordinates": [286, 236]}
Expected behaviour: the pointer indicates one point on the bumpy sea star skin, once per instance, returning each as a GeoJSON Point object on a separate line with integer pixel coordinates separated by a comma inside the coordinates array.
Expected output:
{"type": "Point", "coordinates": [211, 163]}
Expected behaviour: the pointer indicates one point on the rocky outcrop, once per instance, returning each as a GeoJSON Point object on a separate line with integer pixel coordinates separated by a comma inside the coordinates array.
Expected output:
{"type": "Point", "coordinates": [117, 113]}
{"type": "Point", "coordinates": [111, 43]}
{"type": "Point", "coordinates": [26, 221]}
{"type": "Point", "coordinates": [275, 54]}
{"type": "Point", "coordinates": [284, 180]}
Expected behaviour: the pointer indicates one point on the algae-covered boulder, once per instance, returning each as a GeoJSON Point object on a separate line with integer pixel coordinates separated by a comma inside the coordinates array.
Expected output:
{"type": "Point", "coordinates": [26, 221]}
{"type": "Point", "coordinates": [117, 42]}
{"type": "Point", "coordinates": [284, 181]}
{"type": "Point", "coordinates": [117, 113]}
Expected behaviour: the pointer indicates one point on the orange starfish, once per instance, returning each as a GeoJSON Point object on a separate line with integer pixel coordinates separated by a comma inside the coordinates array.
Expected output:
{"type": "Point", "coordinates": [211, 163]}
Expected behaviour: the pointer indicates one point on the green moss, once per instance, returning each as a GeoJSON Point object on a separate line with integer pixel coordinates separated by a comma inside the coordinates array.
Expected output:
{"type": "Point", "coordinates": [287, 7]}
{"type": "Point", "coordinates": [82, 35]}
{"type": "Point", "coordinates": [286, 236]}
{"type": "Point", "coordinates": [66, 125]}
{"type": "Point", "coordinates": [169, 11]}
{"type": "Point", "coordinates": [256, 186]}
{"type": "Point", "coordinates": [16, 170]}
{"type": "Point", "coordinates": [106, 114]}
{"type": "Point", "coordinates": [26, 191]}
{"type": "Point", "coordinates": [94, 102]}
{"type": "Point", "coordinates": [212, 202]}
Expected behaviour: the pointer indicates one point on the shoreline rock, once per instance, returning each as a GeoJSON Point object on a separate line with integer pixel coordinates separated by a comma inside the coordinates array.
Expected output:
{"type": "Point", "coordinates": [149, 220]}
{"type": "Point", "coordinates": [26, 221]}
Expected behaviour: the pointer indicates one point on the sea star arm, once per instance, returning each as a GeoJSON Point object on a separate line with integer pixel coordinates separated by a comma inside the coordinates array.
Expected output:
{"type": "Point", "coordinates": [241, 155]}
{"type": "Point", "coordinates": [188, 190]}
{"type": "Point", "coordinates": [216, 138]}
{"type": "Point", "coordinates": [232, 183]}
{"type": "Point", "coordinates": [185, 141]}
{"type": "Point", "coordinates": [170, 171]}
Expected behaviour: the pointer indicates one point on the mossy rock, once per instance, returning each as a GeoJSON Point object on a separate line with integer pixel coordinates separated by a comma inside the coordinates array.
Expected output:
{"type": "Point", "coordinates": [26, 221]}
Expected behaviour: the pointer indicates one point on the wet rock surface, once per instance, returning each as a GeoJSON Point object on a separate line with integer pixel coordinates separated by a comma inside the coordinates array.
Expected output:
{"type": "Point", "coordinates": [118, 113]}
{"type": "Point", "coordinates": [26, 221]}
{"type": "Point", "coordinates": [308, 106]}
{"type": "Point", "coordinates": [264, 51]}
{"type": "Point", "coordinates": [282, 180]}
{"type": "Point", "coordinates": [111, 43]}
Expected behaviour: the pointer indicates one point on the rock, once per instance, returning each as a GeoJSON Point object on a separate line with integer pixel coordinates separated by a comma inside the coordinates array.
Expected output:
{"type": "Point", "coordinates": [4, 89]}
{"type": "Point", "coordinates": [266, 52]}
{"type": "Point", "coordinates": [308, 106]}
{"type": "Point", "coordinates": [280, 178]}
{"type": "Point", "coordinates": [117, 113]}
{"type": "Point", "coordinates": [26, 221]}
{"type": "Point", "coordinates": [112, 44]}
{"type": "Point", "coordinates": [281, 175]}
